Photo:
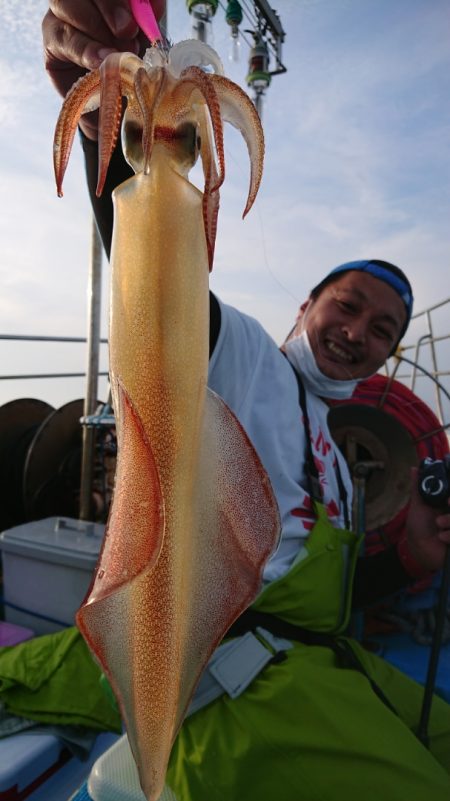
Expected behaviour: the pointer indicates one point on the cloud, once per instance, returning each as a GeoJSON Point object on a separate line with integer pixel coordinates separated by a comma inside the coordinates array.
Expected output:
{"type": "Point", "coordinates": [20, 31]}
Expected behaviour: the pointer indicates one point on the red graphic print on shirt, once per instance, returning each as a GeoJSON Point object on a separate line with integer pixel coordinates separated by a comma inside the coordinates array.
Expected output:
{"type": "Point", "coordinates": [324, 458]}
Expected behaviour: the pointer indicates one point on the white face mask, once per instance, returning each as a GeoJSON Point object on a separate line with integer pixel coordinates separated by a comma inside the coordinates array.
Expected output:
{"type": "Point", "coordinates": [301, 356]}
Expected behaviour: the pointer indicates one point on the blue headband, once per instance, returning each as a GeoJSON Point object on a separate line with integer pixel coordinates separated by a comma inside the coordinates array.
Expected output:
{"type": "Point", "coordinates": [400, 286]}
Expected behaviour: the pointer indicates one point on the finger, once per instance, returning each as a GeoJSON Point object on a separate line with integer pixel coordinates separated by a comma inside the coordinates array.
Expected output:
{"type": "Point", "coordinates": [443, 521]}
{"type": "Point", "coordinates": [99, 19]}
{"type": "Point", "coordinates": [415, 496]}
{"type": "Point", "coordinates": [118, 18]}
{"type": "Point", "coordinates": [121, 21]}
{"type": "Point", "coordinates": [66, 44]}
{"type": "Point", "coordinates": [159, 7]}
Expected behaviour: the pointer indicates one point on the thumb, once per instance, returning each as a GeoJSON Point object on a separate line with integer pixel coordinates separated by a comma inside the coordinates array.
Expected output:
{"type": "Point", "coordinates": [414, 485]}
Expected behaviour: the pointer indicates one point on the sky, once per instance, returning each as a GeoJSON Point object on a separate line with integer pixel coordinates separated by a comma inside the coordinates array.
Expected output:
{"type": "Point", "coordinates": [357, 166]}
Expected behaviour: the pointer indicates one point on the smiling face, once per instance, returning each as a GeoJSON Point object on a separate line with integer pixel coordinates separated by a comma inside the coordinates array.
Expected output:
{"type": "Point", "coordinates": [352, 325]}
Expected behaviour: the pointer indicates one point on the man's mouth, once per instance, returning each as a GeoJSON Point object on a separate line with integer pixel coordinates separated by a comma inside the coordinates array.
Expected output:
{"type": "Point", "coordinates": [339, 352]}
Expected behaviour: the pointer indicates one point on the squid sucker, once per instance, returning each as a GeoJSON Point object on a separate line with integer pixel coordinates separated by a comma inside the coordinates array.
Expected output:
{"type": "Point", "coordinates": [193, 518]}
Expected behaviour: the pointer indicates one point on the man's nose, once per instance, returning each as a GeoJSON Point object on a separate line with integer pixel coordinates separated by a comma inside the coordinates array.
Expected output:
{"type": "Point", "coordinates": [355, 330]}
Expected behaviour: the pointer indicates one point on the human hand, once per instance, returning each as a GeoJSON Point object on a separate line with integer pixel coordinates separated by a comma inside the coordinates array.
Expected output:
{"type": "Point", "coordinates": [427, 529]}
{"type": "Point", "coordinates": [79, 34]}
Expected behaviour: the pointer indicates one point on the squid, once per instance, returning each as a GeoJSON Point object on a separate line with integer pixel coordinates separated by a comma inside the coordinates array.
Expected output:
{"type": "Point", "coordinates": [193, 518]}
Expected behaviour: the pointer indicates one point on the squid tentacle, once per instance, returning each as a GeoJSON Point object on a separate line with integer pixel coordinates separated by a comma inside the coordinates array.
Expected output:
{"type": "Point", "coordinates": [102, 88]}
{"type": "Point", "coordinates": [84, 90]}
{"type": "Point", "coordinates": [193, 80]}
{"type": "Point", "coordinates": [117, 74]}
{"type": "Point", "coordinates": [237, 109]}
{"type": "Point", "coordinates": [211, 199]}
{"type": "Point", "coordinates": [199, 79]}
{"type": "Point", "coordinates": [149, 92]}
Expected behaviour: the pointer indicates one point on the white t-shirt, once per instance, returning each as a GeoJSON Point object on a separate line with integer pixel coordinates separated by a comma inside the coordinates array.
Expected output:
{"type": "Point", "coordinates": [256, 381]}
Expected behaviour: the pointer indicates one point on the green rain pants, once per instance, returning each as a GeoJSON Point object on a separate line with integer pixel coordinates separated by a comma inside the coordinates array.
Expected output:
{"type": "Point", "coordinates": [306, 729]}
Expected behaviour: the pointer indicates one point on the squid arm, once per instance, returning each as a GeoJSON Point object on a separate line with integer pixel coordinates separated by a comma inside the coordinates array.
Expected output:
{"type": "Point", "coordinates": [193, 518]}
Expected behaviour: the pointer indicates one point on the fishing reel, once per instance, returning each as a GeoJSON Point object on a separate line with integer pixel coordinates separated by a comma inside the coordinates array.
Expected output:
{"type": "Point", "coordinates": [434, 481]}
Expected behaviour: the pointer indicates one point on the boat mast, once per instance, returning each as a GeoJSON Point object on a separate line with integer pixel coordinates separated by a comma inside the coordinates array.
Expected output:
{"type": "Point", "coordinates": [92, 370]}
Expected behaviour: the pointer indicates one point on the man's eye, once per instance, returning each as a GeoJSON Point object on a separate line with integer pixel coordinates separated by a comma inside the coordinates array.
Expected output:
{"type": "Point", "coordinates": [384, 333]}
{"type": "Point", "coordinates": [346, 306]}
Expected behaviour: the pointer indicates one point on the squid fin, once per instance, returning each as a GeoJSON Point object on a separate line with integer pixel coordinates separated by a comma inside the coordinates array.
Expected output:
{"type": "Point", "coordinates": [238, 528]}
{"type": "Point", "coordinates": [135, 530]}
{"type": "Point", "coordinates": [165, 646]}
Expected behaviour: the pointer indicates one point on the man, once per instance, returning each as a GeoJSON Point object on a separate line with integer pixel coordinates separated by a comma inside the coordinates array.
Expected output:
{"type": "Point", "coordinates": [325, 722]}
{"type": "Point", "coordinates": [324, 719]}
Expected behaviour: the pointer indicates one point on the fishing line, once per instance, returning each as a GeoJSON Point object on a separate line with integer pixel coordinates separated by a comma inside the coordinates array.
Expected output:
{"type": "Point", "coordinates": [266, 260]}
{"type": "Point", "coordinates": [257, 208]}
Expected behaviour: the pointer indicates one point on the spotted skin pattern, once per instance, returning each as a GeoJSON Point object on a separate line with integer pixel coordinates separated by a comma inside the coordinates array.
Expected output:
{"type": "Point", "coordinates": [193, 518]}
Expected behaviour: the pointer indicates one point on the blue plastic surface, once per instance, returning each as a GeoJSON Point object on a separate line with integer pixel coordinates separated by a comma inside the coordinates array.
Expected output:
{"type": "Point", "coordinates": [25, 757]}
{"type": "Point", "coordinates": [410, 657]}
{"type": "Point", "coordinates": [82, 794]}
{"type": "Point", "coordinates": [71, 776]}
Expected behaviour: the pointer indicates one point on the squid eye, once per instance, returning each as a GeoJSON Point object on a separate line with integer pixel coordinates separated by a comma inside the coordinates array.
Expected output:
{"type": "Point", "coordinates": [186, 135]}
{"type": "Point", "coordinates": [134, 134]}
{"type": "Point", "coordinates": [186, 141]}
{"type": "Point", "coordinates": [132, 144]}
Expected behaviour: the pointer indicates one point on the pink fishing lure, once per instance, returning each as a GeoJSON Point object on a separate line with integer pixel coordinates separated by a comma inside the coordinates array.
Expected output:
{"type": "Point", "coordinates": [143, 13]}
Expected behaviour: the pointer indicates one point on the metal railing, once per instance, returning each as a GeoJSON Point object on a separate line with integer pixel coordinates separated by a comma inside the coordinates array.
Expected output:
{"type": "Point", "coordinates": [31, 338]}
{"type": "Point", "coordinates": [423, 361]}
{"type": "Point", "coordinates": [408, 366]}
{"type": "Point", "coordinates": [92, 374]}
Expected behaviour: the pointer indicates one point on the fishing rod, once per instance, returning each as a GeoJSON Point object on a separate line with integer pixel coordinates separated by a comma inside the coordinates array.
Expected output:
{"type": "Point", "coordinates": [265, 30]}
{"type": "Point", "coordinates": [434, 487]}
{"type": "Point", "coordinates": [422, 730]}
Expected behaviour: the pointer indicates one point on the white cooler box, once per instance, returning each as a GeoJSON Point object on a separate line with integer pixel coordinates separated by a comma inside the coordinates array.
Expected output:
{"type": "Point", "coordinates": [47, 569]}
